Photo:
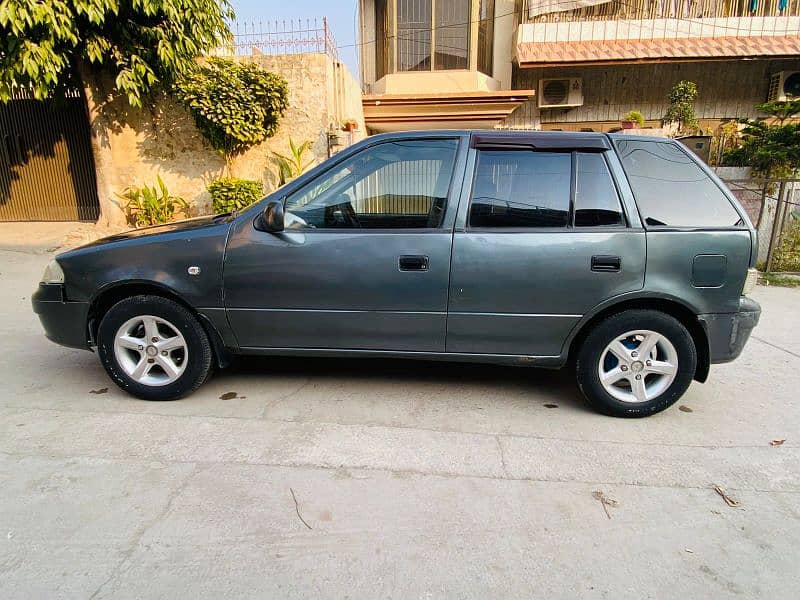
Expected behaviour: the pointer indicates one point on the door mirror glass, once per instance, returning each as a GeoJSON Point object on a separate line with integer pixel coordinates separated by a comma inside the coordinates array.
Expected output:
{"type": "Point", "coordinates": [272, 218]}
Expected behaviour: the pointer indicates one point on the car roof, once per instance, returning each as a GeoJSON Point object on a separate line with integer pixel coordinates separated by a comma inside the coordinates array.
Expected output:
{"type": "Point", "coordinates": [533, 138]}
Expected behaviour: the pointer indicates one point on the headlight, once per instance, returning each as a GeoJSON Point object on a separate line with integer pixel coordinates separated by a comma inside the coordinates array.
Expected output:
{"type": "Point", "coordinates": [53, 273]}
{"type": "Point", "coordinates": [750, 281]}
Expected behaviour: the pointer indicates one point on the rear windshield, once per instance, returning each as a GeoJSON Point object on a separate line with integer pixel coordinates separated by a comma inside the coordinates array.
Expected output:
{"type": "Point", "coordinates": [671, 189]}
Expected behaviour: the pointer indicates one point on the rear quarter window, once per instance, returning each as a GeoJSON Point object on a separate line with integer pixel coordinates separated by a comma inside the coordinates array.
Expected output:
{"type": "Point", "coordinates": [671, 190]}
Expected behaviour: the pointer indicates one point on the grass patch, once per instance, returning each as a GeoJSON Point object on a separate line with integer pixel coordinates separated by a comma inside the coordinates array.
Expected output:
{"type": "Point", "coordinates": [779, 280]}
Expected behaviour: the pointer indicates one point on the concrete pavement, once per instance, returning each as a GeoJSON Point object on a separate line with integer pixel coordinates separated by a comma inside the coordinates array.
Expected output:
{"type": "Point", "coordinates": [411, 479]}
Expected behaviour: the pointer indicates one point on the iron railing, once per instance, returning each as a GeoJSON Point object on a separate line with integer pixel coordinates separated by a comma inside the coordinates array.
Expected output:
{"type": "Point", "coordinates": [295, 36]}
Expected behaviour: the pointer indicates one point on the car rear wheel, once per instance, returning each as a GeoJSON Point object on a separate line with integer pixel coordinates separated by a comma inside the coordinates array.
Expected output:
{"type": "Point", "coordinates": [154, 348]}
{"type": "Point", "coordinates": [636, 363]}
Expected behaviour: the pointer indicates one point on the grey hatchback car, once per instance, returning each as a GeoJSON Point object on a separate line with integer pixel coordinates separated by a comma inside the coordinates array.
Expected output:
{"type": "Point", "coordinates": [622, 256]}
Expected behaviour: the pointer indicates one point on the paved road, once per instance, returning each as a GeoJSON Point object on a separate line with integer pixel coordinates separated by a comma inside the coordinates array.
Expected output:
{"type": "Point", "coordinates": [412, 479]}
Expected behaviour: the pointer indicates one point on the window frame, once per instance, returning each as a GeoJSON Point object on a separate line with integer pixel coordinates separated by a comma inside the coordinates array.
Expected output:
{"type": "Point", "coordinates": [743, 217]}
{"type": "Point", "coordinates": [450, 202]}
{"type": "Point", "coordinates": [570, 227]}
{"type": "Point", "coordinates": [394, 63]}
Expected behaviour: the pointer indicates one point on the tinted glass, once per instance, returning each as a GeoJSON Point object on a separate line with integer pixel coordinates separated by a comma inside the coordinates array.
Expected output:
{"type": "Point", "coordinates": [596, 199]}
{"type": "Point", "coordinates": [671, 189]}
{"type": "Point", "coordinates": [394, 185]}
{"type": "Point", "coordinates": [521, 189]}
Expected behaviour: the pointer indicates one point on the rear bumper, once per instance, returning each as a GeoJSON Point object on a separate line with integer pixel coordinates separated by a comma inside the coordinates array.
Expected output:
{"type": "Point", "coordinates": [728, 333]}
{"type": "Point", "coordinates": [64, 322]}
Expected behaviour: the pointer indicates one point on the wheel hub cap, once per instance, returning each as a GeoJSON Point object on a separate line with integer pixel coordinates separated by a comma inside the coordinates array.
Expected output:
{"type": "Point", "coordinates": [151, 350]}
{"type": "Point", "coordinates": [638, 366]}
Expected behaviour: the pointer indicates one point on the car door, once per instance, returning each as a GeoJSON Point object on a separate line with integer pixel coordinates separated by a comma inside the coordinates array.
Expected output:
{"type": "Point", "coordinates": [541, 238]}
{"type": "Point", "coordinates": [364, 261]}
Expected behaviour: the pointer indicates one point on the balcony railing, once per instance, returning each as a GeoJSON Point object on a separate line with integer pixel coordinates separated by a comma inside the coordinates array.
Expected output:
{"type": "Point", "coordinates": [551, 11]}
{"type": "Point", "coordinates": [644, 20]}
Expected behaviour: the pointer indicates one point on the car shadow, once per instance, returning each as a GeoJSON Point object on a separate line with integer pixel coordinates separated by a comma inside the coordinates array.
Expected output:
{"type": "Point", "coordinates": [548, 386]}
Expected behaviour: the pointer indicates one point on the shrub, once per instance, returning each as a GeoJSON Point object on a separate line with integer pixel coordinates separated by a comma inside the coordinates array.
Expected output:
{"type": "Point", "coordinates": [635, 116]}
{"type": "Point", "coordinates": [229, 194]}
{"type": "Point", "coordinates": [681, 105]}
{"type": "Point", "coordinates": [148, 205]}
{"type": "Point", "coordinates": [234, 104]}
{"type": "Point", "coordinates": [290, 167]}
{"type": "Point", "coordinates": [787, 255]}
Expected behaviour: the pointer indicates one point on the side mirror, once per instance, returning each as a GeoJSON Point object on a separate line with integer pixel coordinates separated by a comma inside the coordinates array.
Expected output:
{"type": "Point", "coordinates": [271, 219]}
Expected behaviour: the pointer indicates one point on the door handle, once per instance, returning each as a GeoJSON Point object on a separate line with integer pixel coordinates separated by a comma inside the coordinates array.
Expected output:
{"type": "Point", "coordinates": [413, 263]}
{"type": "Point", "coordinates": [606, 264]}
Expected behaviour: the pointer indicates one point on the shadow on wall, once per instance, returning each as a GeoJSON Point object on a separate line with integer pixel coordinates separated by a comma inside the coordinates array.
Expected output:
{"type": "Point", "coordinates": [134, 146]}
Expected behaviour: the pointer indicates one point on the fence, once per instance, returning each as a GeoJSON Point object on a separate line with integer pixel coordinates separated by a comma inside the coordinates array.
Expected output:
{"type": "Point", "coordinates": [774, 207]}
{"type": "Point", "coordinates": [295, 36]}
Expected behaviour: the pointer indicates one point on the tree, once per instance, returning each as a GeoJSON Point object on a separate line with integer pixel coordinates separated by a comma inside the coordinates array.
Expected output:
{"type": "Point", "coordinates": [234, 104]}
{"type": "Point", "coordinates": [140, 43]}
{"type": "Point", "coordinates": [780, 111]}
{"type": "Point", "coordinates": [772, 151]}
{"type": "Point", "coordinates": [681, 105]}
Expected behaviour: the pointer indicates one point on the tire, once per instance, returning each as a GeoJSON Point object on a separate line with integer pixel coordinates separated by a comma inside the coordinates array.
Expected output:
{"type": "Point", "coordinates": [154, 348]}
{"type": "Point", "coordinates": [639, 380]}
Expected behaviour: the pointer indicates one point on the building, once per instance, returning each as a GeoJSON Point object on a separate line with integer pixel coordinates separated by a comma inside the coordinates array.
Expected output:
{"type": "Point", "coordinates": [571, 64]}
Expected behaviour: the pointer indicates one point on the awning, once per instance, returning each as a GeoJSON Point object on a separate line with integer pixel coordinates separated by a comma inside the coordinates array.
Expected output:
{"type": "Point", "coordinates": [559, 54]}
{"type": "Point", "coordinates": [461, 110]}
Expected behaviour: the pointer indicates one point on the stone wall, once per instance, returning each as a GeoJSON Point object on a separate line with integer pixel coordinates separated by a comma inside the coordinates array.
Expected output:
{"type": "Point", "coordinates": [133, 147]}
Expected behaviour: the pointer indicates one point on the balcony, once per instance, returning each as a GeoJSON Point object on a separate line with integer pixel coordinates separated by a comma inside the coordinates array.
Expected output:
{"type": "Point", "coordinates": [618, 31]}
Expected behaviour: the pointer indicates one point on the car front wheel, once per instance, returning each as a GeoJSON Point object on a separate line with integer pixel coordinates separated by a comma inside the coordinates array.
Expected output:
{"type": "Point", "coordinates": [154, 348]}
{"type": "Point", "coordinates": [636, 363]}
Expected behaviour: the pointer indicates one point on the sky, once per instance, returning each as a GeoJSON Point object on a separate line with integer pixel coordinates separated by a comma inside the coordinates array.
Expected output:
{"type": "Point", "coordinates": [341, 16]}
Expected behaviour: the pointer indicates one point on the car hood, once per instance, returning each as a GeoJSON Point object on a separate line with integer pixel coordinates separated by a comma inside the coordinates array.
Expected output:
{"type": "Point", "coordinates": [142, 234]}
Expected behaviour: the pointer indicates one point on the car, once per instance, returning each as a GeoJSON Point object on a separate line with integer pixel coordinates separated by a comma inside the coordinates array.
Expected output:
{"type": "Point", "coordinates": [621, 256]}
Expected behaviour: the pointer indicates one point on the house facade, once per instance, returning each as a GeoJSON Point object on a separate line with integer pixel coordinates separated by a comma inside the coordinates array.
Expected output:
{"type": "Point", "coordinates": [571, 64]}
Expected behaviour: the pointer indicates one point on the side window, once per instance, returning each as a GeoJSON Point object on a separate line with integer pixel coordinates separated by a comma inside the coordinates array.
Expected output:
{"type": "Point", "coordinates": [394, 185]}
{"type": "Point", "coordinates": [670, 189]}
{"type": "Point", "coordinates": [521, 188]}
{"type": "Point", "coordinates": [596, 199]}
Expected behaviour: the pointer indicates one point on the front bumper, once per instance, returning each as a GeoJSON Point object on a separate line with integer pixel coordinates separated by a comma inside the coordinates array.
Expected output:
{"type": "Point", "coordinates": [728, 332]}
{"type": "Point", "coordinates": [64, 322]}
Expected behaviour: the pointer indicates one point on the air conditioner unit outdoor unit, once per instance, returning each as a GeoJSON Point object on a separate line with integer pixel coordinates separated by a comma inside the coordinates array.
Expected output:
{"type": "Point", "coordinates": [561, 93]}
{"type": "Point", "coordinates": [783, 86]}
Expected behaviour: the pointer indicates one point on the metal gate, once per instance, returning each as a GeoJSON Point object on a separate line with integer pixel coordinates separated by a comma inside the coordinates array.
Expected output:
{"type": "Point", "coordinates": [46, 164]}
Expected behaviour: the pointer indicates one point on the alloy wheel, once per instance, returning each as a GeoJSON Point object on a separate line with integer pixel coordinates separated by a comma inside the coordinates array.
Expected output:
{"type": "Point", "coordinates": [151, 350]}
{"type": "Point", "coordinates": [638, 366]}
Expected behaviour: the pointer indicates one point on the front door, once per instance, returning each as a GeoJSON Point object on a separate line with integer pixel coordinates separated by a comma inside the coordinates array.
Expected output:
{"type": "Point", "coordinates": [364, 260]}
{"type": "Point", "coordinates": [541, 240]}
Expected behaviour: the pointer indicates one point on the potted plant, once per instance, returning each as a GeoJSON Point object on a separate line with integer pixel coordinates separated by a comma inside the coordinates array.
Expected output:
{"type": "Point", "coordinates": [633, 119]}
{"type": "Point", "coordinates": [350, 125]}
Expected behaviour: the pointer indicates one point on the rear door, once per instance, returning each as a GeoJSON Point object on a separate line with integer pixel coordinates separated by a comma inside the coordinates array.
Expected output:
{"type": "Point", "coordinates": [541, 238]}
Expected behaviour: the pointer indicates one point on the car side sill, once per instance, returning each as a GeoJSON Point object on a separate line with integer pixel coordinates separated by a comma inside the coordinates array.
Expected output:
{"type": "Point", "coordinates": [552, 362]}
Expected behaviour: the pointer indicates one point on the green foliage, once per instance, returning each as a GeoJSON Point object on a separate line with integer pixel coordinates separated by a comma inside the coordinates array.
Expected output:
{"type": "Point", "coordinates": [635, 116]}
{"type": "Point", "coordinates": [681, 105]}
{"type": "Point", "coordinates": [773, 151]}
{"type": "Point", "coordinates": [151, 205]}
{"type": "Point", "coordinates": [235, 105]}
{"type": "Point", "coordinates": [230, 193]}
{"type": "Point", "coordinates": [291, 166]}
{"type": "Point", "coordinates": [780, 110]}
{"type": "Point", "coordinates": [141, 43]}
{"type": "Point", "coordinates": [787, 255]}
